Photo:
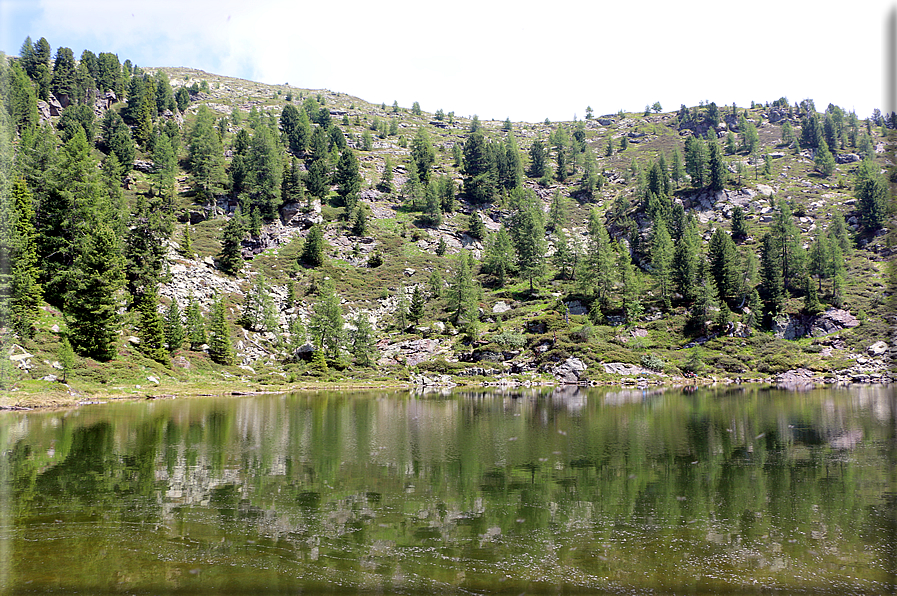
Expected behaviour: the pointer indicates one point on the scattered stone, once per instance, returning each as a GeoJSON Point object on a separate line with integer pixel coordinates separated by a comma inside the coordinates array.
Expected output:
{"type": "Point", "coordinates": [500, 307]}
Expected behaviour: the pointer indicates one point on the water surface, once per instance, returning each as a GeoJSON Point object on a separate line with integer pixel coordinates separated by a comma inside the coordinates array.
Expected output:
{"type": "Point", "coordinates": [571, 491]}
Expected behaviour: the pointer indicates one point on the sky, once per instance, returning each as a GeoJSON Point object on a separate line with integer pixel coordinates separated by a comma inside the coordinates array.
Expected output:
{"type": "Point", "coordinates": [525, 61]}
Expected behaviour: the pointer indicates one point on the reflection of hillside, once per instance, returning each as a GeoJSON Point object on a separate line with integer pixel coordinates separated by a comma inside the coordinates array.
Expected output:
{"type": "Point", "coordinates": [391, 485]}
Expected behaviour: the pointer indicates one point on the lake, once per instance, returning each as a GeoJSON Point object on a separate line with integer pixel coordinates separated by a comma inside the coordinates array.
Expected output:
{"type": "Point", "coordinates": [575, 490]}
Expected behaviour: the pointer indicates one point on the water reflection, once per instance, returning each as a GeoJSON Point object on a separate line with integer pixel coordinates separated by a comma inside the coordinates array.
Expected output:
{"type": "Point", "coordinates": [535, 490]}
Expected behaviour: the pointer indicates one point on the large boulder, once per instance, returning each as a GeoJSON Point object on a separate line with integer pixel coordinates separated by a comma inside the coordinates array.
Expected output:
{"type": "Point", "coordinates": [569, 371]}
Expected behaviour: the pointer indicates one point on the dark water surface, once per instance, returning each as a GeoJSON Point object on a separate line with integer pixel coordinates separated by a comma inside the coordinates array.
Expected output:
{"type": "Point", "coordinates": [574, 491]}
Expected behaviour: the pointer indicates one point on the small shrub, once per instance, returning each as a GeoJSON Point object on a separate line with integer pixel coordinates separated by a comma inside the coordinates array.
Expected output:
{"type": "Point", "coordinates": [652, 362]}
{"type": "Point", "coordinates": [509, 340]}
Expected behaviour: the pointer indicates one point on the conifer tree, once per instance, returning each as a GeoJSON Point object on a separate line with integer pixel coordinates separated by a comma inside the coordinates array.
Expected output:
{"type": "Point", "coordinates": [326, 323]}
{"type": "Point", "coordinates": [739, 226]}
{"type": "Point", "coordinates": [463, 297]}
{"type": "Point", "coordinates": [599, 272]}
{"type": "Point", "coordinates": [91, 303]}
{"type": "Point", "coordinates": [417, 305]}
{"type": "Point", "coordinates": [348, 179]}
{"type": "Point", "coordinates": [363, 342]}
{"type": "Point", "coordinates": [538, 160]}
{"type": "Point", "coordinates": [498, 259]}
{"type": "Point", "coordinates": [717, 168]}
{"type": "Point", "coordinates": [152, 328]}
{"type": "Point", "coordinates": [206, 155]}
{"type": "Point", "coordinates": [385, 183]}
{"type": "Point", "coordinates": [528, 236]}
{"type": "Point", "coordinates": [723, 262]}
{"type": "Point", "coordinates": [872, 196]}
{"type": "Point", "coordinates": [231, 256]}
{"type": "Point", "coordinates": [25, 291]}
{"type": "Point", "coordinates": [313, 249]}
{"type": "Point", "coordinates": [165, 164]}
{"type": "Point", "coordinates": [187, 243]}
{"type": "Point", "coordinates": [221, 349]}
{"type": "Point", "coordinates": [258, 307]}
{"type": "Point", "coordinates": [824, 161]}
{"type": "Point", "coordinates": [772, 281]}
{"type": "Point", "coordinates": [662, 261]}
{"type": "Point", "coordinates": [686, 261]}
{"type": "Point", "coordinates": [557, 212]}
{"type": "Point", "coordinates": [478, 169]}
{"type": "Point", "coordinates": [174, 327]}
{"type": "Point", "coordinates": [564, 257]}
{"type": "Point", "coordinates": [265, 176]}
{"type": "Point", "coordinates": [196, 327]}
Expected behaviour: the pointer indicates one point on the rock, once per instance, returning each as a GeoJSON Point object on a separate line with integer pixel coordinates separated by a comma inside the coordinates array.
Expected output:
{"type": "Point", "coordinates": [626, 370]}
{"type": "Point", "coordinates": [575, 307]}
{"type": "Point", "coordinates": [765, 190]}
{"type": "Point", "coordinates": [500, 307]}
{"type": "Point", "coordinates": [639, 332]}
{"type": "Point", "coordinates": [133, 340]}
{"type": "Point", "coordinates": [153, 379]}
{"type": "Point", "coordinates": [408, 272]}
{"type": "Point", "coordinates": [879, 348]}
{"type": "Point", "coordinates": [50, 378]}
{"type": "Point", "coordinates": [438, 326]}
{"type": "Point", "coordinates": [569, 371]}
{"type": "Point", "coordinates": [832, 321]}
{"type": "Point", "coordinates": [842, 158]}
{"type": "Point", "coordinates": [295, 215]}
{"type": "Point", "coordinates": [142, 165]}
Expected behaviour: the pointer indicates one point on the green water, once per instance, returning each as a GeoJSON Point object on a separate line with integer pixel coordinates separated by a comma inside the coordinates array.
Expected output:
{"type": "Point", "coordinates": [576, 491]}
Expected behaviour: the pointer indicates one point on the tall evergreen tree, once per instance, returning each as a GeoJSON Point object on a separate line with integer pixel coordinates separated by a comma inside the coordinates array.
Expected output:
{"type": "Point", "coordinates": [231, 256]}
{"type": "Point", "coordinates": [462, 301]}
{"type": "Point", "coordinates": [174, 327]}
{"type": "Point", "coordinates": [91, 300]}
{"type": "Point", "coordinates": [599, 271]}
{"type": "Point", "coordinates": [538, 160]}
{"type": "Point", "coordinates": [498, 259]}
{"type": "Point", "coordinates": [196, 327]}
{"type": "Point", "coordinates": [221, 349]}
{"type": "Point", "coordinates": [717, 167]}
{"type": "Point", "coordinates": [348, 179]}
{"type": "Point", "coordinates": [265, 164]}
{"type": "Point", "coordinates": [25, 291]}
{"type": "Point", "coordinates": [478, 169]}
{"type": "Point", "coordinates": [528, 235]}
{"type": "Point", "coordinates": [872, 196]}
{"type": "Point", "coordinates": [362, 340]}
{"type": "Point", "coordinates": [326, 322]}
{"type": "Point", "coordinates": [724, 267]}
{"type": "Point", "coordinates": [662, 261]}
{"type": "Point", "coordinates": [313, 249]}
{"type": "Point", "coordinates": [206, 155]}
{"type": "Point", "coordinates": [686, 261]}
{"type": "Point", "coordinates": [152, 328]}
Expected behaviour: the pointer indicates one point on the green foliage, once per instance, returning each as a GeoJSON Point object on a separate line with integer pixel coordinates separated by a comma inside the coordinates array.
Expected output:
{"type": "Point", "coordinates": [221, 349]}
{"type": "Point", "coordinates": [313, 249]}
{"type": "Point", "coordinates": [363, 342]}
{"type": "Point", "coordinates": [326, 323]}
{"type": "Point", "coordinates": [206, 155]}
{"type": "Point", "coordinates": [92, 302]}
{"type": "Point", "coordinates": [230, 258]}
{"type": "Point", "coordinates": [258, 307]}
{"type": "Point", "coordinates": [152, 328]}
{"type": "Point", "coordinates": [196, 328]}
{"type": "Point", "coordinates": [174, 327]}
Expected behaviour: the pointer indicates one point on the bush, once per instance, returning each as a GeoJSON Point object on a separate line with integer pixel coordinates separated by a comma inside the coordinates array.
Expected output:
{"type": "Point", "coordinates": [652, 362]}
{"type": "Point", "coordinates": [509, 340]}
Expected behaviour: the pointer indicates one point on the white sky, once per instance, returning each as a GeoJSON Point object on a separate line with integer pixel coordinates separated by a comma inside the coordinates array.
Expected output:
{"type": "Point", "coordinates": [526, 61]}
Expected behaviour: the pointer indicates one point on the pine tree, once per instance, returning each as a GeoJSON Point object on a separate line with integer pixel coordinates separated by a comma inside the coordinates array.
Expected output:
{"type": "Point", "coordinates": [564, 257]}
{"type": "Point", "coordinates": [824, 161]}
{"type": "Point", "coordinates": [25, 292]}
{"type": "Point", "coordinates": [478, 169]}
{"type": "Point", "coordinates": [326, 323]}
{"type": "Point", "coordinates": [557, 212]}
{"type": "Point", "coordinates": [772, 281]}
{"type": "Point", "coordinates": [265, 176]}
{"type": "Point", "coordinates": [187, 244]}
{"type": "Point", "coordinates": [717, 166]}
{"type": "Point", "coordinates": [221, 349]}
{"type": "Point", "coordinates": [872, 196]}
{"type": "Point", "coordinates": [363, 342]}
{"type": "Point", "coordinates": [599, 272]}
{"type": "Point", "coordinates": [91, 304]}
{"type": "Point", "coordinates": [538, 160]}
{"type": "Point", "coordinates": [196, 328]}
{"type": "Point", "coordinates": [417, 306]}
{"type": "Point", "coordinates": [348, 179]}
{"type": "Point", "coordinates": [174, 328]}
{"type": "Point", "coordinates": [152, 328]}
{"type": "Point", "coordinates": [686, 261]}
{"type": "Point", "coordinates": [462, 301]}
{"type": "Point", "coordinates": [723, 261]}
{"type": "Point", "coordinates": [528, 236]}
{"type": "Point", "coordinates": [498, 259]}
{"type": "Point", "coordinates": [662, 261]}
{"type": "Point", "coordinates": [231, 256]}
{"type": "Point", "coordinates": [739, 226]}
{"type": "Point", "coordinates": [258, 307]}
{"type": "Point", "coordinates": [206, 155]}
{"type": "Point", "coordinates": [313, 249]}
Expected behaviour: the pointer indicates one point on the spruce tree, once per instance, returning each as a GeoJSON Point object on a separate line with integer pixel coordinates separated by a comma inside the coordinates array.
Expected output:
{"type": "Point", "coordinates": [363, 342]}
{"type": "Point", "coordinates": [258, 307]}
{"type": "Point", "coordinates": [174, 327]}
{"type": "Point", "coordinates": [528, 236]}
{"type": "Point", "coordinates": [231, 256]}
{"type": "Point", "coordinates": [739, 225]}
{"type": "Point", "coordinates": [196, 327]}
{"type": "Point", "coordinates": [598, 271]}
{"type": "Point", "coordinates": [91, 303]}
{"type": "Point", "coordinates": [206, 156]}
{"type": "Point", "coordinates": [662, 261]}
{"type": "Point", "coordinates": [221, 349]}
{"type": "Point", "coordinates": [152, 328]}
{"type": "Point", "coordinates": [417, 305]}
{"type": "Point", "coordinates": [326, 323]}
{"type": "Point", "coordinates": [313, 249]}
{"type": "Point", "coordinates": [462, 301]}
{"type": "Point", "coordinates": [26, 293]}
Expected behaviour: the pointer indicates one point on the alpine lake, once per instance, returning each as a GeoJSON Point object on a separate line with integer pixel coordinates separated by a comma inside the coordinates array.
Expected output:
{"type": "Point", "coordinates": [742, 490]}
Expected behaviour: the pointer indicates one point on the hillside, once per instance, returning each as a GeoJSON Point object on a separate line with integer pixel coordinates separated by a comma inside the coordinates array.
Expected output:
{"type": "Point", "coordinates": [772, 263]}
